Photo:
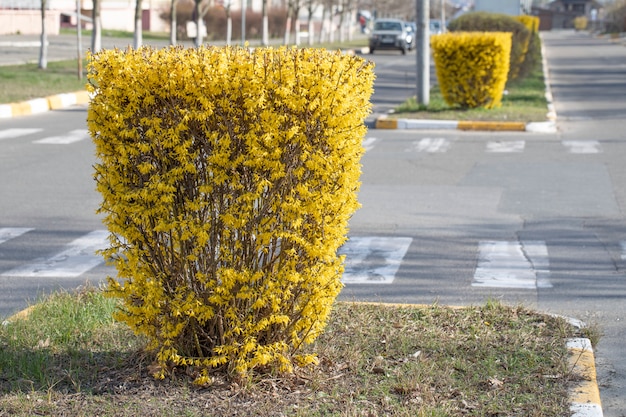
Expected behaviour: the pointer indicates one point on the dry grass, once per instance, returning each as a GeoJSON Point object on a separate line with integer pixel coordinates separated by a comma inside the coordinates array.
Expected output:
{"type": "Point", "coordinates": [70, 359]}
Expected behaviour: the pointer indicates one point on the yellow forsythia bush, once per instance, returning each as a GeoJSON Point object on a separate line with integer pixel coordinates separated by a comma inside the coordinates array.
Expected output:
{"type": "Point", "coordinates": [581, 22]}
{"type": "Point", "coordinates": [531, 22]}
{"type": "Point", "coordinates": [472, 67]}
{"type": "Point", "coordinates": [228, 177]}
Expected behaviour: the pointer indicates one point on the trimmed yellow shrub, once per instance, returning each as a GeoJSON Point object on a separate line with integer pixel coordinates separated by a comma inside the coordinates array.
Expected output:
{"type": "Point", "coordinates": [531, 22]}
{"type": "Point", "coordinates": [228, 177]}
{"type": "Point", "coordinates": [581, 23]}
{"type": "Point", "coordinates": [472, 67]}
{"type": "Point", "coordinates": [532, 56]}
{"type": "Point", "coordinates": [498, 22]}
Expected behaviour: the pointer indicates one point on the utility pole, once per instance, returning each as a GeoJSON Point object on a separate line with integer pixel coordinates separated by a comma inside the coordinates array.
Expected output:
{"type": "Point", "coordinates": [423, 51]}
{"type": "Point", "coordinates": [443, 16]}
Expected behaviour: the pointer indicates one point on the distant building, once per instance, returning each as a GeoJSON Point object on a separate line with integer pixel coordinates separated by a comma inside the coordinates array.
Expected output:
{"type": "Point", "coordinates": [560, 14]}
{"type": "Point", "coordinates": [510, 7]}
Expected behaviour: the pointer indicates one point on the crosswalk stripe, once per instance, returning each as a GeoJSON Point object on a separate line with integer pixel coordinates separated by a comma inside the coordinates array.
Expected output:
{"type": "Point", "coordinates": [431, 145]}
{"type": "Point", "coordinates": [17, 132]}
{"type": "Point", "coordinates": [505, 146]}
{"type": "Point", "coordinates": [8, 233]}
{"type": "Point", "coordinates": [582, 146]}
{"type": "Point", "coordinates": [368, 143]}
{"type": "Point", "coordinates": [79, 257]}
{"type": "Point", "coordinates": [504, 264]}
{"type": "Point", "coordinates": [373, 260]}
{"type": "Point", "coordinates": [70, 137]}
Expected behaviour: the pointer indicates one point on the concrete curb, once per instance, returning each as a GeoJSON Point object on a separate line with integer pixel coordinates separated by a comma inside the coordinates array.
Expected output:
{"type": "Point", "coordinates": [534, 127]}
{"type": "Point", "coordinates": [41, 105]}
{"type": "Point", "coordinates": [585, 396]}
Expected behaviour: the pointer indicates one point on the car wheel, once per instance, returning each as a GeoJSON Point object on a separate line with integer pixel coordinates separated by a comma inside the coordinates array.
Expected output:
{"type": "Point", "coordinates": [403, 50]}
{"type": "Point", "coordinates": [371, 51]}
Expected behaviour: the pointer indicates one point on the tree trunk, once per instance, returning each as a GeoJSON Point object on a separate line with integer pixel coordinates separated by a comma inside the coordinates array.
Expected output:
{"type": "Point", "coordinates": [96, 34]}
{"type": "Point", "coordinates": [137, 39]}
{"type": "Point", "coordinates": [43, 50]}
{"type": "Point", "coordinates": [173, 23]}
{"type": "Point", "coordinates": [199, 24]}
{"type": "Point", "coordinates": [265, 31]}
{"type": "Point", "coordinates": [229, 26]}
{"type": "Point", "coordinates": [288, 23]}
{"type": "Point", "coordinates": [323, 24]}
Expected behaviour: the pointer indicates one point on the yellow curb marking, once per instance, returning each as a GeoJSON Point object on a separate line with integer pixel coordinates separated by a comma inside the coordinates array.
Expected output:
{"type": "Point", "coordinates": [386, 124]}
{"type": "Point", "coordinates": [583, 364]}
{"type": "Point", "coordinates": [497, 126]}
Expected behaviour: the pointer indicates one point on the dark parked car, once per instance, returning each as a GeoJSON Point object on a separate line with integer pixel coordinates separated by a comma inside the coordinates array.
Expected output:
{"type": "Point", "coordinates": [389, 34]}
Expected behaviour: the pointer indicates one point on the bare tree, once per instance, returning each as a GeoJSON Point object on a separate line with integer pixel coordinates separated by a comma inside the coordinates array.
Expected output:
{"type": "Point", "coordinates": [43, 50]}
{"type": "Point", "coordinates": [200, 9]}
{"type": "Point", "coordinates": [341, 10]}
{"type": "Point", "coordinates": [323, 23]}
{"type": "Point", "coordinates": [137, 39]}
{"type": "Point", "coordinates": [311, 6]}
{"type": "Point", "coordinates": [96, 34]}
{"type": "Point", "coordinates": [288, 22]}
{"type": "Point", "coordinates": [293, 9]}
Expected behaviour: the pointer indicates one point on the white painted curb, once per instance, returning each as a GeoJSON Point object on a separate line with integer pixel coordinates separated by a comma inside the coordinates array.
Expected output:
{"type": "Point", "coordinates": [427, 124]}
{"type": "Point", "coordinates": [541, 127]}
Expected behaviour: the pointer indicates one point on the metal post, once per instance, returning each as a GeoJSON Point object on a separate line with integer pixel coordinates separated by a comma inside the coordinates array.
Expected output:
{"type": "Point", "coordinates": [443, 16]}
{"type": "Point", "coordinates": [423, 51]}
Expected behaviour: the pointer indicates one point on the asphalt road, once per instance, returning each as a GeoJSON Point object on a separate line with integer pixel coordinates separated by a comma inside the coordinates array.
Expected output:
{"type": "Point", "coordinates": [448, 216]}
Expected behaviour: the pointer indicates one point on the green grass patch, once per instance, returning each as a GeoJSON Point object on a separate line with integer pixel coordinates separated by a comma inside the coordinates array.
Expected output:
{"type": "Point", "coordinates": [68, 357]}
{"type": "Point", "coordinates": [25, 82]}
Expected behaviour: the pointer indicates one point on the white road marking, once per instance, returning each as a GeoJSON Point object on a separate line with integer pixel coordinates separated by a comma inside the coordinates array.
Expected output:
{"type": "Point", "coordinates": [582, 146]}
{"type": "Point", "coordinates": [503, 264]}
{"type": "Point", "coordinates": [373, 260]}
{"type": "Point", "coordinates": [79, 257]}
{"type": "Point", "coordinates": [17, 132]}
{"type": "Point", "coordinates": [71, 137]}
{"type": "Point", "coordinates": [368, 143]}
{"type": "Point", "coordinates": [506, 146]}
{"type": "Point", "coordinates": [431, 145]}
{"type": "Point", "coordinates": [8, 233]}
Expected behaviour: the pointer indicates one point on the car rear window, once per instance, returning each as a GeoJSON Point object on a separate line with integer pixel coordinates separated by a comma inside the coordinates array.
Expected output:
{"type": "Point", "coordinates": [387, 26]}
